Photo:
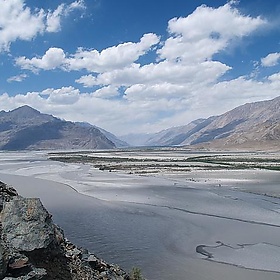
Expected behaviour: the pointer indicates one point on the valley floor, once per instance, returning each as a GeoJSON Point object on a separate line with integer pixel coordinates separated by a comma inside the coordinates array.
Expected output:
{"type": "Point", "coordinates": [176, 214]}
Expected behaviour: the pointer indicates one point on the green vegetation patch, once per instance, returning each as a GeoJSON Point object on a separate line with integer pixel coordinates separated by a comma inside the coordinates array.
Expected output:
{"type": "Point", "coordinates": [137, 164]}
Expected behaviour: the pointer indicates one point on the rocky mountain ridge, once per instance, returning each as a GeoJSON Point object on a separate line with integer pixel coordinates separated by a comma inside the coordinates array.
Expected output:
{"type": "Point", "coordinates": [27, 128]}
{"type": "Point", "coordinates": [118, 142]}
{"type": "Point", "coordinates": [252, 124]}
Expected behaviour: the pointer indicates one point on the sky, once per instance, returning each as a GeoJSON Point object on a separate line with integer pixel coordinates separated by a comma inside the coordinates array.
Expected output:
{"type": "Point", "coordinates": [132, 66]}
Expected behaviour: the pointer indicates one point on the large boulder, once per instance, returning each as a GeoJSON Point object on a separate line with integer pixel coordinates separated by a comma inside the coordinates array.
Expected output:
{"type": "Point", "coordinates": [27, 225]}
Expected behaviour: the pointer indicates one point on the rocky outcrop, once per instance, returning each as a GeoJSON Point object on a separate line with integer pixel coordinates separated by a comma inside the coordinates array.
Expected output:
{"type": "Point", "coordinates": [33, 247]}
{"type": "Point", "coordinates": [34, 229]}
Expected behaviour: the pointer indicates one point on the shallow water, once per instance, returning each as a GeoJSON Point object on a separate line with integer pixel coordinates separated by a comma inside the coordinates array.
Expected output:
{"type": "Point", "coordinates": [152, 223]}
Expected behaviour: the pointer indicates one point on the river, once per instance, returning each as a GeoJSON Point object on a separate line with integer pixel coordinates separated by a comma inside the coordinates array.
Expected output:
{"type": "Point", "coordinates": [155, 223]}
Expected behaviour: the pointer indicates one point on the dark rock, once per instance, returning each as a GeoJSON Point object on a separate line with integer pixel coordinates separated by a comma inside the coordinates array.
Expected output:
{"type": "Point", "coordinates": [18, 262]}
{"type": "Point", "coordinates": [6, 194]}
{"type": "Point", "coordinates": [27, 225]}
{"type": "Point", "coordinates": [3, 260]}
{"type": "Point", "coordinates": [53, 260]}
{"type": "Point", "coordinates": [34, 274]}
{"type": "Point", "coordinates": [7, 191]}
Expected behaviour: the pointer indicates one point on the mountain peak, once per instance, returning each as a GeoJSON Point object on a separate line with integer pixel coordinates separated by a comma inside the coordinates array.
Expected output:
{"type": "Point", "coordinates": [25, 115]}
{"type": "Point", "coordinates": [25, 111]}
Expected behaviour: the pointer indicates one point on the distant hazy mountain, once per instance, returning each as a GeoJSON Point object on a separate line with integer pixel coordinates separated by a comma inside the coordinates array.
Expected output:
{"type": "Point", "coordinates": [256, 124]}
{"type": "Point", "coordinates": [136, 139]}
{"type": "Point", "coordinates": [27, 128]}
{"type": "Point", "coordinates": [118, 142]}
{"type": "Point", "coordinates": [176, 135]}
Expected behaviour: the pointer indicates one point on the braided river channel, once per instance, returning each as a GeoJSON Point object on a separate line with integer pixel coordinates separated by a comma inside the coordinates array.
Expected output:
{"type": "Point", "coordinates": [203, 226]}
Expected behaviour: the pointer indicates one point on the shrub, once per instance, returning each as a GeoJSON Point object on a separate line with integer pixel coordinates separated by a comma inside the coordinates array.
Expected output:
{"type": "Point", "coordinates": [136, 274]}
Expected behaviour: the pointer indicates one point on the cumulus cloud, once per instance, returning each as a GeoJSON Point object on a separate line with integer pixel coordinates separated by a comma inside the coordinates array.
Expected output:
{"type": "Point", "coordinates": [155, 73]}
{"type": "Point", "coordinates": [19, 22]}
{"type": "Point", "coordinates": [53, 58]}
{"type": "Point", "coordinates": [206, 32]}
{"type": "Point", "coordinates": [274, 80]}
{"type": "Point", "coordinates": [107, 92]}
{"type": "Point", "coordinates": [271, 59]}
{"type": "Point", "coordinates": [156, 92]}
{"type": "Point", "coordinates": [92, 60]}
{"type": "Point", "coordinates": [113, 57]}
{"type": "Point", "coordinates": [64, 95]}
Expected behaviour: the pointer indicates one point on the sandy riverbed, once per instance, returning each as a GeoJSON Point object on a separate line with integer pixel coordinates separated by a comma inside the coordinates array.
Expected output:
{"type": "Point", "coordinates": [157, 222]}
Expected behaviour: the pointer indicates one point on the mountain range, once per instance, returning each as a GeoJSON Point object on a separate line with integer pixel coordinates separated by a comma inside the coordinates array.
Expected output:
{"type": "Point", "coordinates": [27, 128]}
{"type": "Point", "coordinates": [251, 125]}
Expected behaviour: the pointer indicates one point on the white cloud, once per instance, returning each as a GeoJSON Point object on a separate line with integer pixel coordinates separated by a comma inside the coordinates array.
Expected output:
{"type": "Point", "coordinates": [146, 108]}
{"type": "Point", "coordinates": [206, 32]}
{"type": "Point", "coordinates": [53, 19]}
{"type": "Point", "coordinates": [87, 80]}
{"type": "Point", "coordinates": [92, 60]}
{"type": "Point", "coordinates": [271, 60]}
{"type": "Point", "coordinates": [64, 95]}
{"type": "Point", "coordinates": [165, 71]}
{"type": "Point", "coordinates": [19, 22]}
{"type": "Point", "coordinates": [107, 92]}
{"type": "Point", "coordinates": [274, 78]}
{"type": "Point", "coordinates": [157, 91]}
{"type": "Point", "coordinates": [17, 78]}
{"type": "Point", "coordinates": [113, 57]}
{"type": "Point", "coordinates": [53, 22]}
{"type": "Point", "coordinates": [53, 58]}
{"type": "Point", "coordinates": [77, 5]}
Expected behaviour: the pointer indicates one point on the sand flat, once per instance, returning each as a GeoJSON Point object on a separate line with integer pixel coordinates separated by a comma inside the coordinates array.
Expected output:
{"type": "Point", "coordinates": [156, 222]}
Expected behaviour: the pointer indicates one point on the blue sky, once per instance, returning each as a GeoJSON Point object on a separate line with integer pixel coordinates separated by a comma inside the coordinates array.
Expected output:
{"type": "Point", "coordinates": [138, 66]}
